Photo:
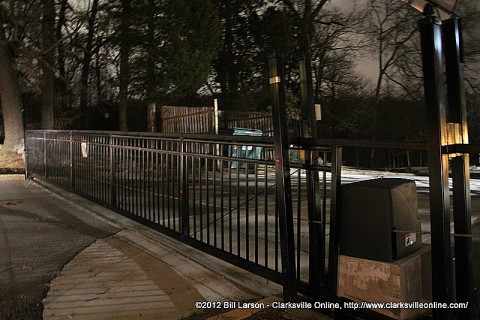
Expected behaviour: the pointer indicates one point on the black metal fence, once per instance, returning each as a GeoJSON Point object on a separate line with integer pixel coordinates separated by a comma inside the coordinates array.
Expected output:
{"type": "Point", "coordinates": [217, 193]}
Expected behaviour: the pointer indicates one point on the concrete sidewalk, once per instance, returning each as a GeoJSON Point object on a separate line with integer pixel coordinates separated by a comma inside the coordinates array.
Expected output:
{"type": "Point", "coordinates": [69, 258]}
{"type": "Point", "coordinates": [126, 276]}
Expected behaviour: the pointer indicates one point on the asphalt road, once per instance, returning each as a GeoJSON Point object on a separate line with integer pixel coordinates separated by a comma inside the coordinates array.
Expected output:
{"type": "Point", "coordinates": [38, 235]}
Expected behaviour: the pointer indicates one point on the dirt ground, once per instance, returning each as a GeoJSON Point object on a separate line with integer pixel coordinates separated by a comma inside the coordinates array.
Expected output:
{"type": "Point", "coordinates": [10, 162]}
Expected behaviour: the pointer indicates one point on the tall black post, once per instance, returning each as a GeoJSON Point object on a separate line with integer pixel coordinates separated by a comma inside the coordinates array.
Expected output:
{"type": "Point", "coordinates": [457, 118]}
{"type": "Point", "coordinates": [45, 165]}
{"type": "Point", "coordinates": [113, 169]}
{"type": "Point", "coordinates": [435, 101]}
{"type": "Point", "coordinates": [282, 176]}
{"type": "Point", "coordinates": [315, 223]}
{"type": "Point", "coordinates": [25, 147]}
{"type": "Point", "coordinates": [335, 210]}
{"type": "Point", "coordinates": [72, 162]}
{"type": "Point", "coordinates": [183, 192]}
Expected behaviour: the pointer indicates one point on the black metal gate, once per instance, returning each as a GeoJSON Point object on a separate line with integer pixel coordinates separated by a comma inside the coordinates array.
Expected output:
{"type": "Point", "coordinates": [217, 193]}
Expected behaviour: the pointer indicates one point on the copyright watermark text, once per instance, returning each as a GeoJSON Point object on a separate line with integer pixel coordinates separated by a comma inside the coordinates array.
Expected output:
{"type": "Point", "coordinates": [328, 305]}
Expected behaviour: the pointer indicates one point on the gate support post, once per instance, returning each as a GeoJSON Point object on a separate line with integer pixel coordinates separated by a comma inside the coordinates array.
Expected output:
{"type": "Point", "coordinates": [315, 222]}
{"type": "Point", "coordinates": [282, 176]}
{"type": "Point", "coordinates": [335, 209]}
{"type": "Point", "coordinates": [71, 159]}
{"type": "Point", "coordinates": [183, 192]}
{"type": "Point", "coordinates": [45, 166]}
{"type": "Point", "coordinates": [457, 116]}
{"type": "Point", "coordinates": [442, 276]}
{"type": "Point", "coordinates": [113, 189]}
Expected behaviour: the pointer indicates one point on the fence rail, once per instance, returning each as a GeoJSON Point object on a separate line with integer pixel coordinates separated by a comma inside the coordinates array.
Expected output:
{"type": "Point", "coordinates": [217, 193]}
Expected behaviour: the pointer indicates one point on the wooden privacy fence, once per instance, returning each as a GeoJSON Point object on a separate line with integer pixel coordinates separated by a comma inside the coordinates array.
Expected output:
{"type": "Point", "coordinates": [187, 119]}
{"type": "Point", "coordinates": [175, 119]}
{"type": "Point", "coordinates": [254, 120]}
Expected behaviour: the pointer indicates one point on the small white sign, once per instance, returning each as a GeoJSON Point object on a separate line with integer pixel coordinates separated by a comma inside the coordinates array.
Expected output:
{"type": "Point", "coordinates": [84, 147]}
{"type": "Point", "coordinates": [318, 112]}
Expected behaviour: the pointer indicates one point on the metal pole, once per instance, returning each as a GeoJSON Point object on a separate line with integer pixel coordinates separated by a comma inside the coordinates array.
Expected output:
{"type": "Point", "coordinates": [216, 127]}
{"type": "Point", "coordinates": [45, 167]}
{"type": "Point", "coordinates": [72, 164]}
{"type": "Point", "coordinates": [183, 192]}
{"type": "Point", "coordinates": [25, 147]}
{"type": "Point", "coordinates": [442, 277]}
{"type": "Point", "coordinates": [454, 61]}
{"type": "Point", "coordinates": [315, 223]}
{"type": "Point", "coordinates": [113, 180]}
{"type": "Point", "coordinates": [282, 177]}
{"type": "Point", "coordinates": [457, 114]}
{"type": "Point", "coordinates": [335, 204]}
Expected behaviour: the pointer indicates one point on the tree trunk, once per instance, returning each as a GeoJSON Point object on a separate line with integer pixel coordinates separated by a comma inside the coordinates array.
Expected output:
{"type": "Point", "coordinates": [151, 46]}
{"type": "Point", "coordinates": [124, 66]}
{"type": "Point", "coordinates": [151, 74]}
{"type": "Point", "coordinates": [65, 98]}
{"type": "Point", "coordinates": [48, 62]}
{"type": "Point", "coordinates": [11, 103]}
{"type": "Point", "coordinates": [152, 117]}
{"type": "Point", "coordinates": [87, 59]}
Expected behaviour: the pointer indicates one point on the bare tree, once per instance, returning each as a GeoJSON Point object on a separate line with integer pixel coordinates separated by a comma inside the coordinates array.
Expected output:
{"type": "Point", "coordinates": [236, 64]}
{"type": "Point", "coordinates": [470, 19]}
{"type": "Point", "coordinates": [87, 60]}
{"type": "Point", "coordinates": [48, 64]}
{"type": "Point", "coordinates": [124, 63]}
{"type": "Point", "coordinates": [10, 98]}
{"type": "Point", "coordinates": [391, 28]}
{"type": "Point", "coordinates": [305, 12]}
